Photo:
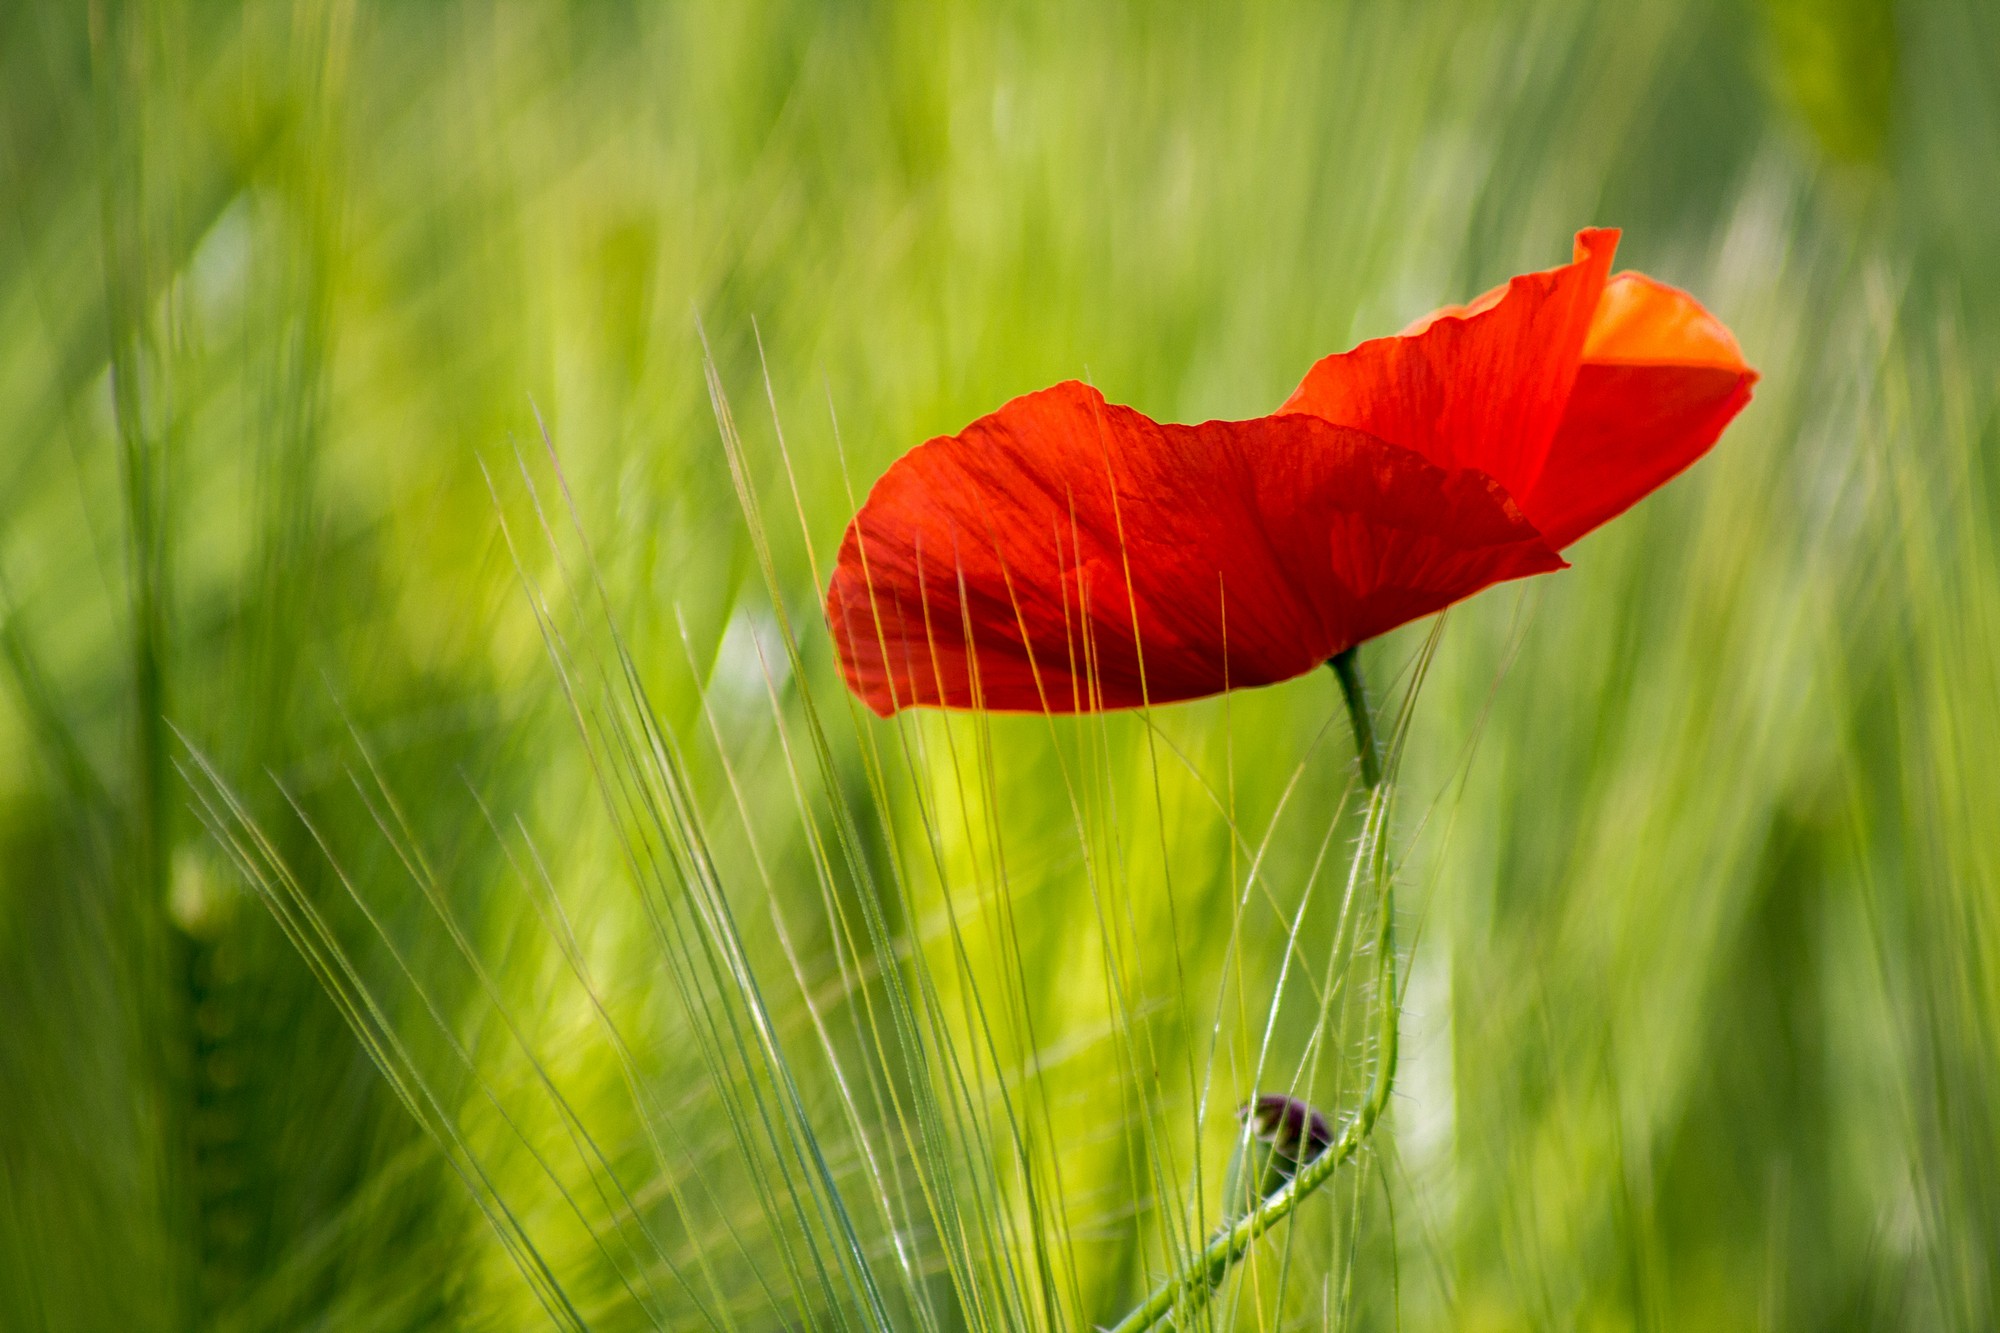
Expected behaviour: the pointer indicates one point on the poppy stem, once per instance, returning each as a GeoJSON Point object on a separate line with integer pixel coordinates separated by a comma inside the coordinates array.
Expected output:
{"type": "Point", "coordinates": [1347, 667]}
{"type": "Point", "coordinates": [1203, 1273]}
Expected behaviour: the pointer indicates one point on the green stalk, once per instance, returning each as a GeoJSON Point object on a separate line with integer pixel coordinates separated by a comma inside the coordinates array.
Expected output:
{"type": "Point", "coordinates": [1347, 667]}
{"type": "Point", "coordinates": [1206, 1271]}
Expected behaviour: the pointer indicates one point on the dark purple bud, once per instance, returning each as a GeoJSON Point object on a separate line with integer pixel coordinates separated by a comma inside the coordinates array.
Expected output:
{"type": "Point", "coordinates": [1292, 1128]}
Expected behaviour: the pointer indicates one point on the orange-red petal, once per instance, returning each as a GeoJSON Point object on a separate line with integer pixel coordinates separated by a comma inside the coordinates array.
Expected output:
{"type": "Point", "coordinates": [1065, 554]}
{"type": "Point", "coordinates": [1660, 379]}
{"type": "Point", "coordinates": [1482, 386]}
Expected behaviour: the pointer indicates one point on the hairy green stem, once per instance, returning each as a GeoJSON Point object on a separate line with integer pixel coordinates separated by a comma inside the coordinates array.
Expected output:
{"type": "Point", "coordinates": [1347, 668]}
{"type": "Point", "coordinates": [1207, 1269]}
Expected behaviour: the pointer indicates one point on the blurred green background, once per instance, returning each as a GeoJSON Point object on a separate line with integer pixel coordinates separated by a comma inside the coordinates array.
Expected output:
{"type": "Point", "coordinates": [1699, 841]}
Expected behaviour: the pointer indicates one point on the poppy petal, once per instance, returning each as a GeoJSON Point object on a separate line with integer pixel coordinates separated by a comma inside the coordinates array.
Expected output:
{"type": "Point", "coordinates": [1481, 386]}
{"type": "Point", "coordinates": [1661, 378]}
{"type": "Point", "coordinates": [1065, 554]}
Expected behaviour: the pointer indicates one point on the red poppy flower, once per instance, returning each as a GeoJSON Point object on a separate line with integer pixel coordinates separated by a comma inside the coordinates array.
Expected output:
{"type": "Point", "coordinates": [1066, 554]}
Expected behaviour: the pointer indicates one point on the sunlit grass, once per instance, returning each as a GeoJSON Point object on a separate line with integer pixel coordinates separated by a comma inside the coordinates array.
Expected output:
{"type": "Point", "coordinates": [443, 884]}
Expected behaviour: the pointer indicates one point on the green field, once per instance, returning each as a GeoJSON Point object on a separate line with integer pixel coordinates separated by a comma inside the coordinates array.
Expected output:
{"type": "Point", "coordinates": [444, 884]}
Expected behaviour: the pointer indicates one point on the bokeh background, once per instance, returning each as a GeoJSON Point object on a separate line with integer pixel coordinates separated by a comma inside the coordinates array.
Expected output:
{"type": "Point", "coordinates": [433, 896]}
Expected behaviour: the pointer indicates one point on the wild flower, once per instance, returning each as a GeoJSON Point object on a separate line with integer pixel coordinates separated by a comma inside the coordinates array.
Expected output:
{"type": "Point", "coordinates": [1068, 555]}
{"type": "Point", "coordinates": [1065, 554]}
